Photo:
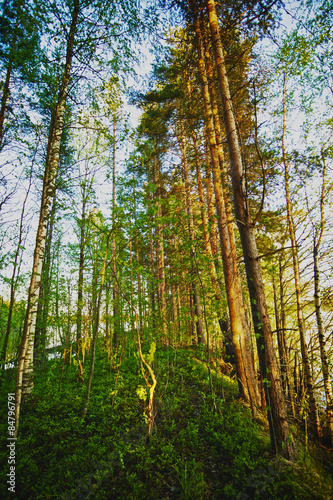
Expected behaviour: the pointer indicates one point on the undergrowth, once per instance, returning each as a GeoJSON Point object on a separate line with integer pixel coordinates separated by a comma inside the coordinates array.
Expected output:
{"type": "Point", "coordinates": [205, 445]}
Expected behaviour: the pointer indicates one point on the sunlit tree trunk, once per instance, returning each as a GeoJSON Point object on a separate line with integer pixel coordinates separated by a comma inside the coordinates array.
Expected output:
{"type": "Point", "coordinates": [244, 364]}
{"type": "Point", "coordinates": [282, 354]}
{"type": "Point", "coordinates": [205, 229]}
{"type": "Point", "coordinates": [212, 224]}
{"type": "Point", "coordinates": [24, 382]}
{"type": "Point", "coordinates": [277, 416]}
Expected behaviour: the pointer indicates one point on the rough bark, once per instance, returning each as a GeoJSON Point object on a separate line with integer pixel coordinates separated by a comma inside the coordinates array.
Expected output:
{"type": "Point", "coordinates": [244, 365]}
{"type": "Point", "coordinates": [205, 229]}
{"type": "Point", "coordinates": [277, 416]}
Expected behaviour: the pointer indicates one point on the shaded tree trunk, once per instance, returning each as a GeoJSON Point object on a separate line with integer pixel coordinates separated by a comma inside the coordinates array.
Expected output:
{"type": "Point", "coordinates": [160, 252]}
{"type": "Point", "coordinates": [16, 269]}
{"type": "Point", "coordinates": [115, 297]}
{"type": "Point", "coordinates": [317, 237]}
{"type": "Point", "coordinates": [196, 297]}
{"type": "Point", "coordinates": [314, 417]}
{"type": "Point", "coordinates": [6, 90]}
{"type": "Point", "coordinates": [44, 296]}
{"type": "Point", "coordinates": [96, 314]}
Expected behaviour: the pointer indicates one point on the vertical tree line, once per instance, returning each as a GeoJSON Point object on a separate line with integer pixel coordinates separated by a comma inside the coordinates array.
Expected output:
{"type": "Point", "coordinates": [195, 228]}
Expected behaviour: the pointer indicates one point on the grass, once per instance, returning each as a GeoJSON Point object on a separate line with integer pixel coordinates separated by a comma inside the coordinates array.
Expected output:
{"type": "Point", "coordinates": [204, 446]}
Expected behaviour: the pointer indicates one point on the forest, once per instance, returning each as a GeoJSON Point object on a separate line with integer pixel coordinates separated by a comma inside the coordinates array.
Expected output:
{"type": "Point", "coordinates": [166, 280]}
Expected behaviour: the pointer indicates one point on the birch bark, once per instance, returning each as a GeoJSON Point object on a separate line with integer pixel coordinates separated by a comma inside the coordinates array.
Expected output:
{"type": "Point", "coordinates": [24, 380]}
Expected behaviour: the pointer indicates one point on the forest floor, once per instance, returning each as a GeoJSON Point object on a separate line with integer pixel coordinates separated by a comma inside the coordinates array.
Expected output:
{"type": "Point", "coordinates": [203, 446]}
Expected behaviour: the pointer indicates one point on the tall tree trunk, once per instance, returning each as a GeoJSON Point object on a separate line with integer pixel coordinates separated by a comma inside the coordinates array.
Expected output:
{"type": "Point", "coordinates": [289, 382]}
{"type": "Point", "coordinates": [115, 297]}
{"type": "Point", "coordinates": [151, 279]}
{"type": "Point", "coordinates": [282, 354]}
{"type": "Point", "coordinates": [82, 244]}
{"type": "Point", "coordinates": [15, 274]}
{"type": "Point", "coordinates": [138, 276]}
{"type": "Point", "coordinates": [212, 226]}
{"type": "Point", "coordinates": [97, 308]}
{"type": "Point", "coordinates": [44, 296]}
{"type": "Point", "coordinates": [317, 237]}
{"type": "Point", "coordinates": [196, 297]}
{"type": "Point", "coordinates": [314, 417]}
{"type": "Point", "coordinates": [4, 99]}
{"type": "Point", "coordinates": [160, 252]}
{"type": "Point", "coordinates": [277, 416]}
{"type": "Point", "coordinates": [244, 364]}
{"type": "Point", "coordinates": [6, 91]}
{"type": "Point", "coordinates": [323, 354]}
{"type": "Point", "coordinates": [24, 381]}
{"type": "Point", "coordinates": [208, 248]}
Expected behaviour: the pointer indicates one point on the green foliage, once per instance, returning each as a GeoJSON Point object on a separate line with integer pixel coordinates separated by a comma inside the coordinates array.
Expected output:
{"type": "Point", "coordinates": [193, 453]}
{"type": "Point", "coordinates": [150, 357]}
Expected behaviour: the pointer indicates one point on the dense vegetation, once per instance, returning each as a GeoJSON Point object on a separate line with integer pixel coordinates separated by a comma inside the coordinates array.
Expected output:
{"type": "Point", "coordinates": [166, 282]}
{"type": "Point", "coordinates": [204, 445]}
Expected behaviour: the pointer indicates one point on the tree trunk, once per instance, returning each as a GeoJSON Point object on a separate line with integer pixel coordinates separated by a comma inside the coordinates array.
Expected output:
{"type": "Point", "coordinates": [277, 416]}
{"type": "Point", "coordinates": [282, 354]}
{"type": "Point", "coordinates": [212, 225]}
{"type": "Point", "coordinates": [24, 382]}
{"type": "Point", "coordinates": [160, 253]}
{"type": "Point", "coordinates": [314, 417]}
{"type": "Point", "coordinates": [317, 237]}
{"type": "Point", "coordinates": [40, 358]}
{"type": "Point", "coordinates": [6, 91]}
{"type": "Point", "coordinates": [15, 274]}
{"type": "Point", "coordinates": [290, 388]}
{"type": "Point", "coordinates": [81, 269]}
{"type": "Point", "coordinates": [208, 248]}
{"type": "Point", "coordinates": [196, 297]}
{"type": "Point", "coordinates": [115, 297]}
{"type": "Point", "coordinates": [245, 370]}
{"type": "Point", "coordinates": [97, 308]}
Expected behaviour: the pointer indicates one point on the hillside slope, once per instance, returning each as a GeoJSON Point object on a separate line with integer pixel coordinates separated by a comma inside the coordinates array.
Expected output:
{"type": "Point", "coordinates": [203, 446]}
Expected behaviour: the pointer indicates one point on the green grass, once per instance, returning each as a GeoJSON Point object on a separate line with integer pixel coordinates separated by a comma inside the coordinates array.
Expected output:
{"type": "Point", "coordinates": [203, 446]}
